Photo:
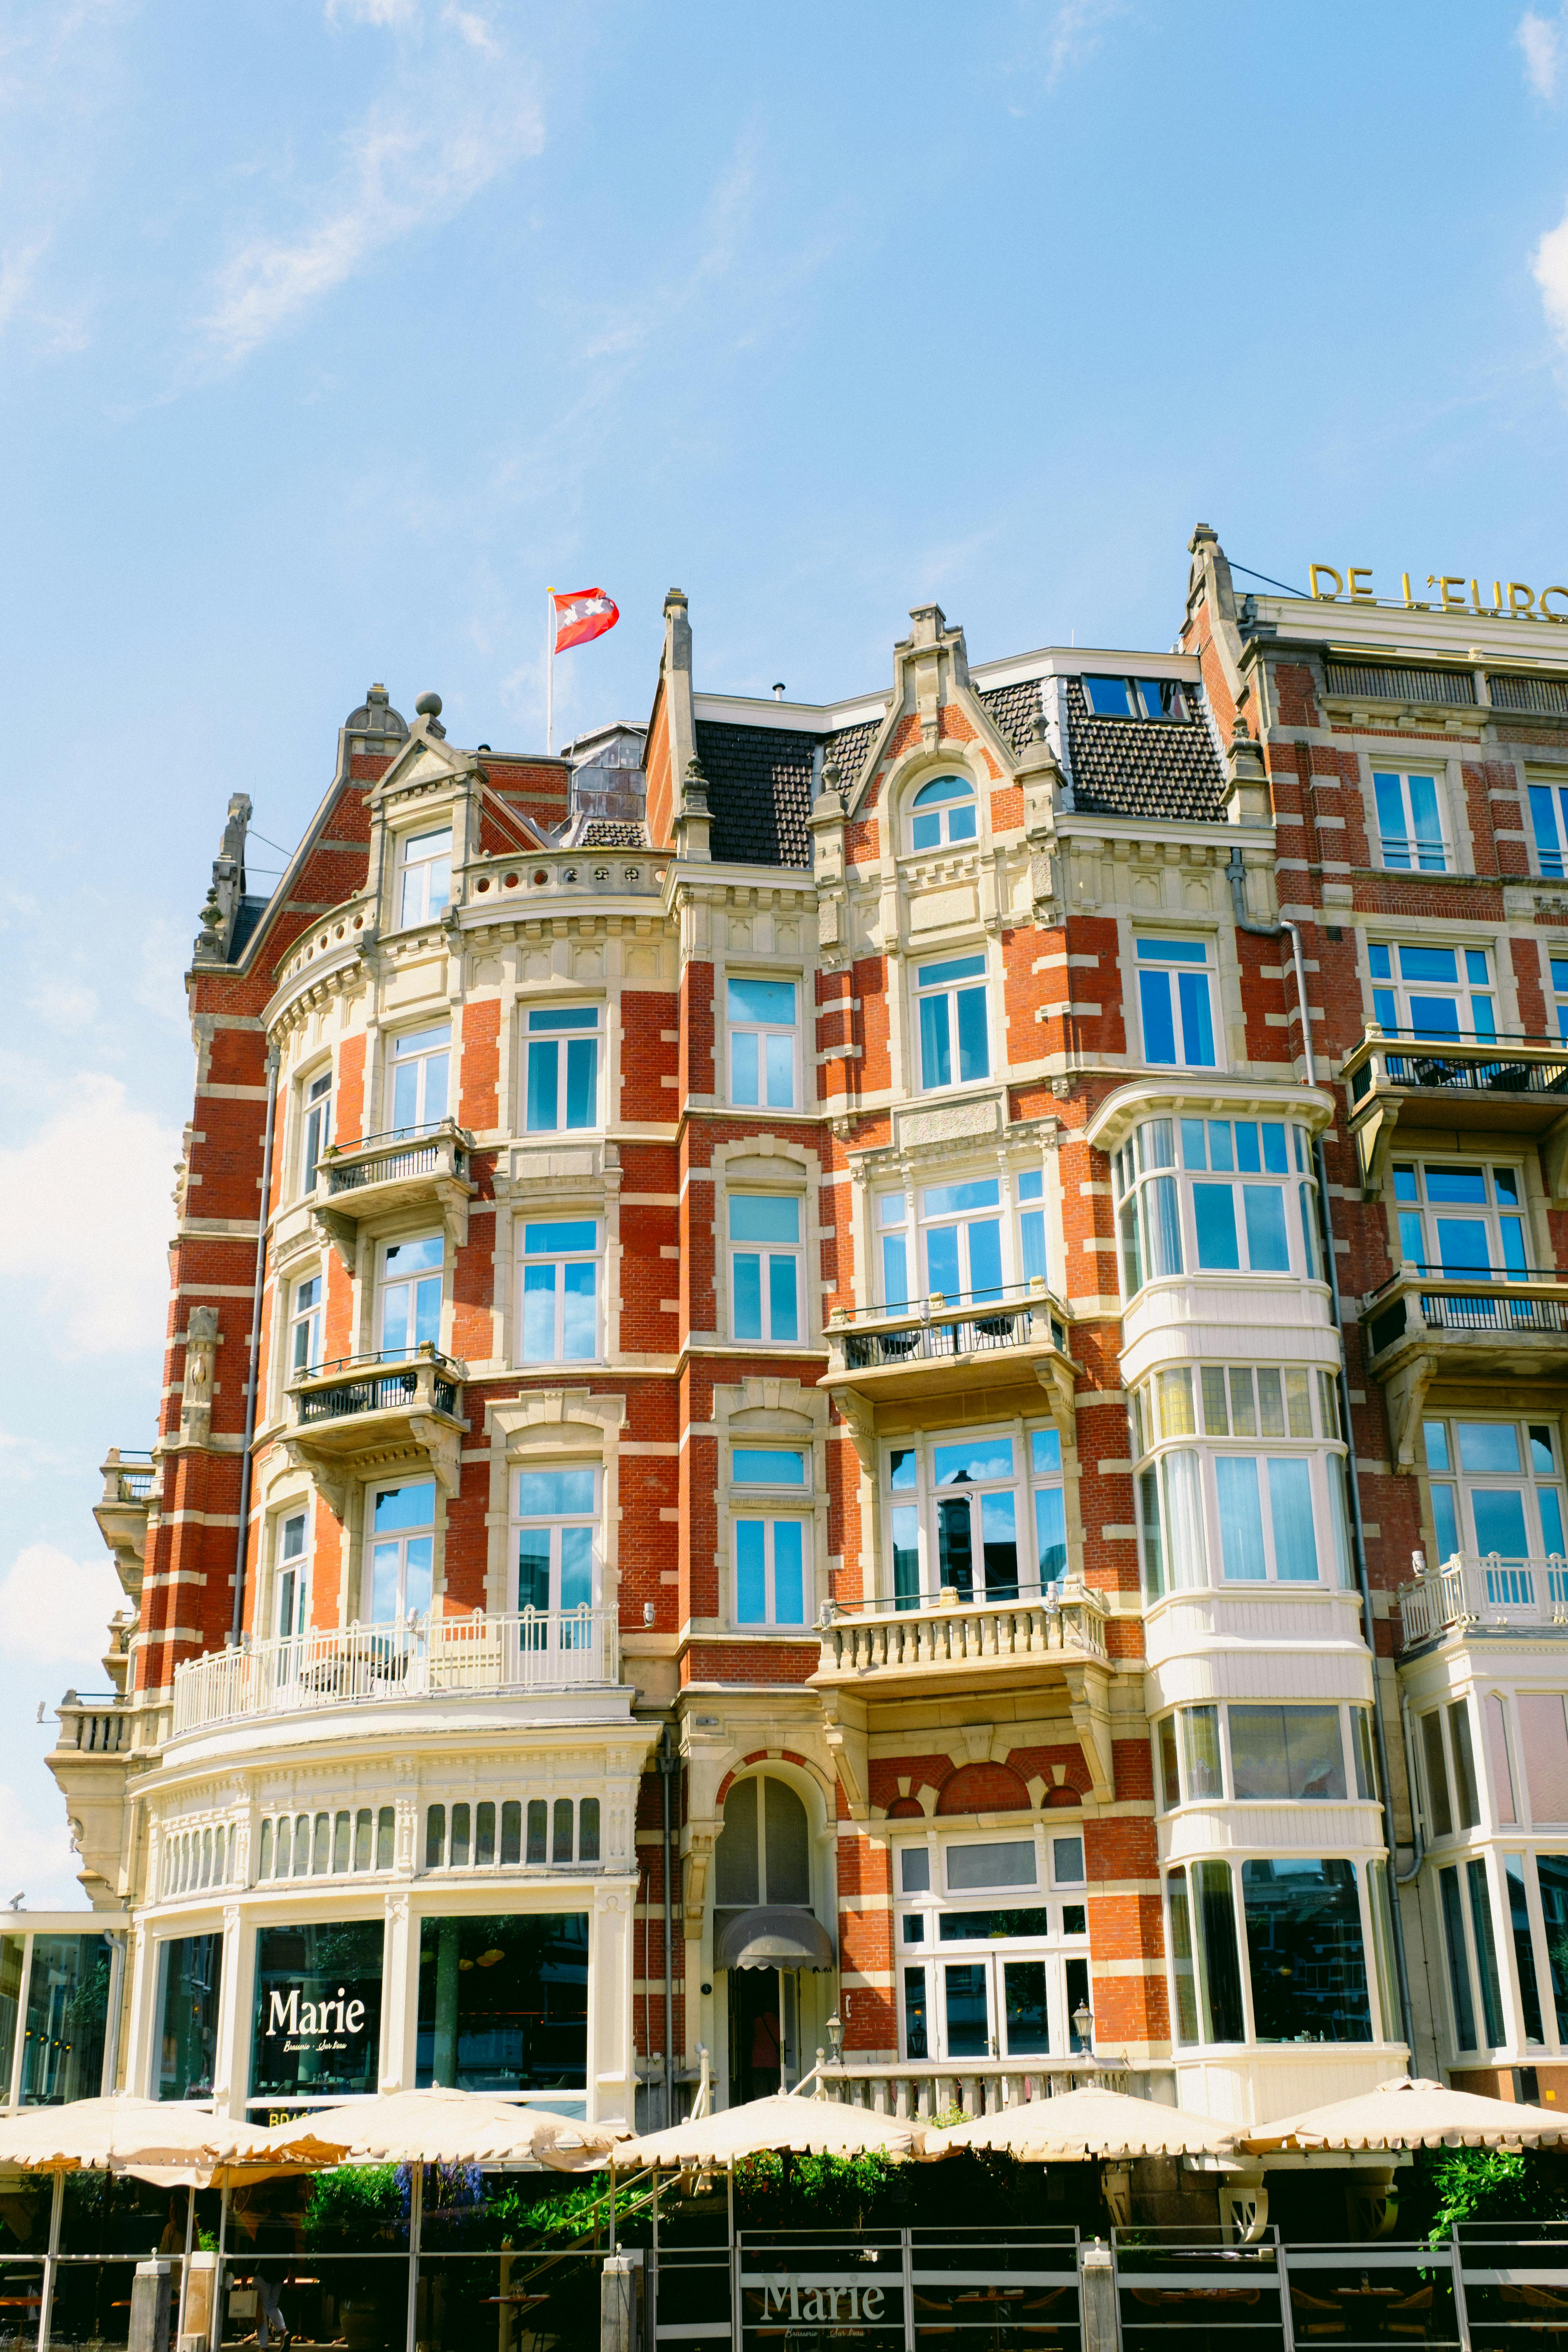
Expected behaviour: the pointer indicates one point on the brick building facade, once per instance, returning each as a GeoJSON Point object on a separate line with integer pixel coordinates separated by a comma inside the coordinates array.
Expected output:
{"type": "Point", "coordinates": [801, 1416]}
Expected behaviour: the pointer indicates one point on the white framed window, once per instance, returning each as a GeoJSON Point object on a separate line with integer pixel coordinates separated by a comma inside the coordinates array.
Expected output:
{"type": "Point", "coordinates": [1463, 1218]}
{"type": "Point", "coordinates": [1242, 1200]}
{"type": "Point", "coordinates": [401, 1550]}
{"type": "Point", "coordinates": [784, 1467]}
{"type": "Point", "coordinates": [770, 1570]}
{"type": "Point", "coordinates": [1410, 821]}
{"type": "Point", "coordinates": [761, 1019]}
{"type": "Point", "coordinates": [1174, 1002]}
{"type": "Point", "coordinates": [555, 1539]}
{"type": "Point", "coordinates": [993, 1962]}
{"type": "Point", "coordinates": [1431, 992]}
{"type": "Point", "coordinates": [316, 1126]}
{"type": "Point", "coordinates": [1031, 1224]}
{"type": "Point", "coordinates": [961, 1253]}
{"type": "Point", "coordinates": [1050, 1504]}
{"type": "Point", "coordinates": [425, 875]}
{"type": "Point", "coordinates": [560, 1291]}
{"type": "Point", "coordinates": [1274, 1951]}
{"type": "Point", "coordinates": [1138, 698]}
{"type": "Point", "coordinates": [764, 1266]}
{"type": "Point", "coordinates": [943, 813]}
{"type": "Point", "coordinates": [981, 1515]}
{"type": "Point", "coordinates": [291, 1575]}
{"type": "Point", "coordinates": [409, 1300]}
{"type": "Point", "coordinates": [1558, 974]}
{"type": "Point", "coordinates": [421, 1062]}
{"type": "Point", "coordinates": [1549, 822]}
{"type": "Point", "coordinates": [1497, 1486]}
{"type": "Point", "coordinates": [561, 1082]}
{"type": "Point", "coordinates": [305, 1326]}
{"type": "Point", "coordinates": [954, 1030]}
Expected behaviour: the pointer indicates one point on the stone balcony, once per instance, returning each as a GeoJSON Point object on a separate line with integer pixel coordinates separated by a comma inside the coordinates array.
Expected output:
{"type": "Point", "coordinates": [941, 1346]}
{"type": "Point", "coordinates": [102, 1740]}
{"type": "Point", "coordinates": [405, 1167]}
{"type": "Point", "coordinates": [442, 1658]}
{"type": "Point", "coordinates": [1517, 1085]}
{"type": "Point", "coordinates": [1422, 1327]}
{"type": "Point", "coordinates": [130, 1480]}
{"type": "Point", "coordinates": [346, 1416]}
{"type": "Point", "coordinates": [922, 2088]}
{"type": "Point", "coordinates": [1488, 1595]}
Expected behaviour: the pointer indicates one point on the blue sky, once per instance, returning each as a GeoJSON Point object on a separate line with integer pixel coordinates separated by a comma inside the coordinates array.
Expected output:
{"type": "Point", "coordinates": [332, 331]}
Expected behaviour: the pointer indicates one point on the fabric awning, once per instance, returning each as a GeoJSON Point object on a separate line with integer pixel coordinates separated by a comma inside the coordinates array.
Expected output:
{"type": "Point", "coordinates": [773, 1937]}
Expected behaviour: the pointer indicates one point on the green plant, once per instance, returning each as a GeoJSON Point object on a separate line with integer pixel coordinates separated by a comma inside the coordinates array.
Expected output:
{"type": "Point", "coordinates": [1453, 2185]}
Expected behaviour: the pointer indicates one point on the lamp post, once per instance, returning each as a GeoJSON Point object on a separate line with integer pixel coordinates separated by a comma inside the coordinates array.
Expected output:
{"type": "Point", "coordinates": [1083, 2026]}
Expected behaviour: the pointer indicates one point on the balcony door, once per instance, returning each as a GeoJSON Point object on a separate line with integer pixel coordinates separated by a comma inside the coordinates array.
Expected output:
{"type": "Point", "coordinates": [985, 2005]}
{"type": "Point", "coordinates": [402, 1550]}
{"type": "Point", "coordinates": [410, 1303]}
{"type": "Point", "coordinates": [557, 1523]}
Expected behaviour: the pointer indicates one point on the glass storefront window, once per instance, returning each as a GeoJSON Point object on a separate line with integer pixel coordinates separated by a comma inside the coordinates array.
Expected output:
{"type": "Point", "coordinates": [192, 1974]}
{"type": "Point", "coordinates": [316, 2031]}
{"type": "Point", "coordinates": [503, 2002]}
{"type": "Point", "coordinates": [1305, 1952]}
{"type": "Point", "coordinates": [11, 1951]}
{"type": "Point", "coordinates": [67, 2012]}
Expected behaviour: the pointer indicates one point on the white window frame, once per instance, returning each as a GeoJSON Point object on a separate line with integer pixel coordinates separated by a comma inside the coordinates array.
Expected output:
{"type": "Point", "coordinates": [958, 987]}
{"type": "Point", "coordinates": [548, 1028]}
{"type": "Point", "coordinates": [397, 1540]}
{"type": "Point", "coordinates": [1472, 993]}
{"type": "Point", "coordinates": [922, 1496]}
{"type": "Point", "coordinates": [771, 1515]}
{"type": "Point", "coordinates": [1506, 1221]}
{"type": "Point", "coordinates": [413, 1280]}
{"type": "Point", "coordinates": [423, 875]}
{"type": "Point", "coordinates": [966, 800]}
{"type": "Point", "coordinates": [315, 1123]}
{"type": "Point", "coordinates": [1143, 697]}
{"type": "Point", "coordinates": [926, 1954]}
{"type": "Point", "coordinates": [767, 1253]}
{"type": "Point", "coordinates": [291, 1572]}
{"type": "Point", "coordinates": [761, 1035]}
{"type": "Point", "coordinates": [1169, 957]}
{"type": "Point", "coordinates": [1462, 1484]}
{"type": "Point", "coordinates": [1557, 979]}
{"type": "Point", "coordinates": [306, 1324]}
{"type": "Point", "coordinates": [423, 1052]}
{"type": "Point", "coordinates": [556, 1525]}
{"type": "Point", "coordinates": [1410, 851]}
{"type": "Point", "coordinates": [1157, 1228]}
{"type": "Point", "coordinates": [558, 1258]}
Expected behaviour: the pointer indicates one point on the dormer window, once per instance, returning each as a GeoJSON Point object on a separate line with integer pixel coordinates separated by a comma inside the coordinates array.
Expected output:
{"type": "Point", "coordinates": [425, 860]}
{"type": "Point", "coordinates": [943, 812]}
{"type": "Point", "coordinates": [1136, 698]}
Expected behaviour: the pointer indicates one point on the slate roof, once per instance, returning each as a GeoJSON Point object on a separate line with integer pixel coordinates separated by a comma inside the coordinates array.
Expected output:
{"type": "Point", "coordinates": [848, 751]}
{"type": "Point", "coordinates": [759, 791]}
{"type": "Point", "coordinates": [247, 916]}
{"type": "Point", "coordinates": [1012, 710]}
{"type": "Point", "coordinates": [1143, 767]}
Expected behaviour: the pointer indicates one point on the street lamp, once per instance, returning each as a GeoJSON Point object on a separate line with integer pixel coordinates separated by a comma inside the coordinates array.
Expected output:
{"type": "Point", "coordinates": [1083, 2025]}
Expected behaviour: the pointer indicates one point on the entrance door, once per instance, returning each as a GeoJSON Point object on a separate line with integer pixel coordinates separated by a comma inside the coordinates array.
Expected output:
{"type": "Point", "coordinates": [763, 2056]}
{"type": "Point", "coordinates": [994, 2007]}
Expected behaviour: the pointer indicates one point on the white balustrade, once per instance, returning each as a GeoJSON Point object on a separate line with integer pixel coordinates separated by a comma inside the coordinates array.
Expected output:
{"type": "Point", "coordinates": [1470, 1588]}
{"type": "Point", "coordinates": [1068, 1618]}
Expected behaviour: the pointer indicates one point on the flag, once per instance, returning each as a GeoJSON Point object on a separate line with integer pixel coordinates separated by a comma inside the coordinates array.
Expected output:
{"type": "Point", "coordinates": [582, 613]}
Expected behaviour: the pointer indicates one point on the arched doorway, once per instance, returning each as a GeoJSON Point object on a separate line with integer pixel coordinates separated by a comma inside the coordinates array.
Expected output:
{"type": "Point", "coordinates": [764, 1932]}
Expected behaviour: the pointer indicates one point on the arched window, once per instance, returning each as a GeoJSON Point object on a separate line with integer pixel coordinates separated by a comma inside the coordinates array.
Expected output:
{"type": "Point", "coordinates": [763, 1853]}
{"type": "Point", "coordinates": [941, 811]}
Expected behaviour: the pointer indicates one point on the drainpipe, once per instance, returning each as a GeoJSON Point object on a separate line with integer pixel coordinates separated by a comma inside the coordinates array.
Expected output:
{"type": "Point", "coordinates": [667, 1765]}
{"type": "Point", "coordinates": [252, 1385]}
{"type": "Point", "coordinates": [1235, 875]}
{"type": "Point", "coordinates": [1403, 1878]}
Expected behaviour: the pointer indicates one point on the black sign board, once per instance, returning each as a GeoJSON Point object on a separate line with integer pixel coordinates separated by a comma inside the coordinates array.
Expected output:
{"type": "Point", "coordinates": [316, 2029]}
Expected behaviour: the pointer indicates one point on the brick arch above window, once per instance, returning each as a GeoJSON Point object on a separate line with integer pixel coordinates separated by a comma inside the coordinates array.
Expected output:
{"type": "Point", "coordinates": [983, 1788]}
{"type": "Point", "coordinates": [906, 1808]}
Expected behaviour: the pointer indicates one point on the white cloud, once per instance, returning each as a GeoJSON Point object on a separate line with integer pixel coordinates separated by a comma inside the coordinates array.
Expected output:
{"type": "Point", "coordinates": [63, 1003]}
{"type": "Point", "coordinates": [54, 1610]}
{"type": "Point", "coordinates": [1065, 38]}
{"type": "Point", "coordinates": [1549, 266]}
{"type": "Point", "coordinates": [85, 1217]}
{"type": "Point", "coordinates": [1541, 42]}
{"type": "Point", "coordinates": [372, 12]}
{"type": "Point", "coordinates": [35, 1843]}
{"type": "Point", "coordinates": [473, 29]}
{"type": "Point", "coordinates": [407, 165]}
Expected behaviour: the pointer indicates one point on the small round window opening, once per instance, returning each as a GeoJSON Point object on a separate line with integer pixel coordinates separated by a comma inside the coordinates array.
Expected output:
{"type": "Point", "coordinates": [943, 812]}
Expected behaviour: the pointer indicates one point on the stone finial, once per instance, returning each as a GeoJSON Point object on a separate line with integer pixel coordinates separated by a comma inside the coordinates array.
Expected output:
{"type": "Point", "coordinates": [693, 821]}
{"type": "Point", "coordinates": [1247, 795]}
{"type": "Point", "coordinates": [428, 706]}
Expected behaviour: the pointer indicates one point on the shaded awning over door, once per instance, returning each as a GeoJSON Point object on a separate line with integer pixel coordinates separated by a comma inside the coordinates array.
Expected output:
{"type": "Point", "coordinates": [770, 1936]}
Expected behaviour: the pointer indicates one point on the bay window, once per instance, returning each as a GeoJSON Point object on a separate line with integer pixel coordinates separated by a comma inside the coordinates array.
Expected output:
{"type": "Point", "coordinates": [949, 1006]}
{"type": "Point", "coordinates": [1275, 1753]}
{"type": "Point", "coordinates": [1431, 992]}
{"type": "Point", "coordinates": [763, 1042]}
{"type": "Point", "coordinates": [1174, 1004]}
{"type": "Point", "coordinates": [425, 875]}
{"type": "Point", "coordinates": [1216, 1195]}
{"type": "Point", "coordinates": [764, 1266]}
{"type": "Point", "coordinates": [562, 1069]}
{"type": "Point", "coordinates": [560, 1291]}
{"type": "Point", "coordinates": [1299, 1923]}
{"type": "Point", "coordinates": [1409, 820]}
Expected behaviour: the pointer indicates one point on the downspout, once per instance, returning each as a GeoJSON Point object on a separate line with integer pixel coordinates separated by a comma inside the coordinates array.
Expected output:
{"type": "Point", "coordinates": [668, 1762]}
{"type": "Point", "coordinates": [252, 1386]}
{"type": "Point", "coordinates": [1235, 875]}
{"type": "Point", "coordinates": [1403, 1878]}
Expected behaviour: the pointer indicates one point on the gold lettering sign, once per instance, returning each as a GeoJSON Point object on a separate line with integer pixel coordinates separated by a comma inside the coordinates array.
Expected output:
{"type": "Point", "coordinates": [1514, 600]}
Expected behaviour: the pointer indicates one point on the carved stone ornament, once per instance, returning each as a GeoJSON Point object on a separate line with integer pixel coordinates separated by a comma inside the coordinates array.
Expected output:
{"type": "Point", "coordinates": [196, 1395]}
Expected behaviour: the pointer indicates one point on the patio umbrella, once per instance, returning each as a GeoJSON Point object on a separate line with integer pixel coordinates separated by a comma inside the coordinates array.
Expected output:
{"type": "Point", "coordinates": [444, 2126]}
{"type": "Point", "coordinates": [1088, 2123]}
{"type": "Point", "coordinates": [785, 2123]}
{"type": "Point", "coordinates": [163, 2141]}
{"type": "Point", "coordinates": [1409, 2113]}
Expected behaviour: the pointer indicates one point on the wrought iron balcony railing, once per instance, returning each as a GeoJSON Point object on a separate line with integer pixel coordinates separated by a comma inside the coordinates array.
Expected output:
{"type": "Point", "coordinates": [1416, 1061]}
{"type": "Point", "coordinates": [389, 1380]}
{"type": "Point", "coordinates": [1415, 1303]}
{"type": "Point", "coordinates": [395, 1155]}
{"type": "Point", "coordinates": [939, 1329]}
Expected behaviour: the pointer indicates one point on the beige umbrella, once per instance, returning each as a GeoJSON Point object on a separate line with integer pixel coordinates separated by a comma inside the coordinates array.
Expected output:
{"type": "Point", "coordinates": [785, 2123]}
{"type": "Point", "coordinates": [1088, 2123]}
{"type": "Point", "coordinates": [164, 2141]}
{"type": "Point", "coordinates": [1409, 2113]}
{"type": "Point", "coordinates": [443, 2126]}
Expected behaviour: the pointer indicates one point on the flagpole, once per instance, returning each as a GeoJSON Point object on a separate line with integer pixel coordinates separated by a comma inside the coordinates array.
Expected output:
{"type": "Point", "coordinates": [549, 671]}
